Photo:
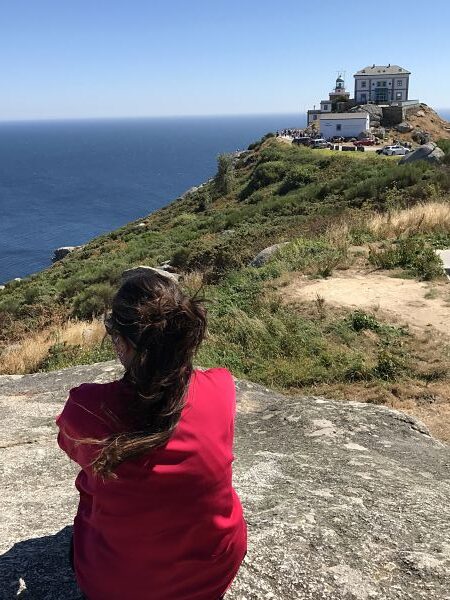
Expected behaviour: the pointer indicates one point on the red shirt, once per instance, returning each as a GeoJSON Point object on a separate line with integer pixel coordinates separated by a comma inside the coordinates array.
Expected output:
{"type": "Point", "coordinates": [171, 527]}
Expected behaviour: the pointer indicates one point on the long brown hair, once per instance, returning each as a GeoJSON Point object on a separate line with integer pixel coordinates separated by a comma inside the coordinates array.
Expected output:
{"type": "Point", "coordinates": [165, 327]}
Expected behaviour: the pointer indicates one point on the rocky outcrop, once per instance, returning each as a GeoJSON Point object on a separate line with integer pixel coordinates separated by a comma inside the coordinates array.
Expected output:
{"type": "Point", "coordinates": [429, 152]}
{"type": "Point", "coordinates": [63, 251]}
{"type": "Point", "coordinates": [404, 127]}
{"type": "Point", "coordinates": [375, 113]}
{"type": "Point", "coordinates": [343, 500]}
{"type": "Point", "coordinates": [164, 269]}
{"type": "Point", "coordinates": [421, 137]}
{"type": "Point", "coordinates": [262, 257]}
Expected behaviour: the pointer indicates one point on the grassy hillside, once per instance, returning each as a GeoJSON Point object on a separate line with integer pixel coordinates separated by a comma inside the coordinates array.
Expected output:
{"type": "Point", "coordinates": [323, 204]}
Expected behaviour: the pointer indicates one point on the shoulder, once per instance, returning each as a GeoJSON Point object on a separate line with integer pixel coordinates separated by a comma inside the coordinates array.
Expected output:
{"type": "Point", "coordinates": [217, 375]}
{"type": "Point", "coordinates": [85, 405]}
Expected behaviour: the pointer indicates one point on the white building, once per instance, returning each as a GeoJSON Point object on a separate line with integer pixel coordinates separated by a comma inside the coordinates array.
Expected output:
{"type": "Point", "coordinates": [381, 84]}
{"type": "Point", "coordinates": [348, 124]}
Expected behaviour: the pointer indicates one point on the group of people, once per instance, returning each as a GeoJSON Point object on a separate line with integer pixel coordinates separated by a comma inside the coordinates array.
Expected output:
{"type": "Point", "coordinates": [291, 133]}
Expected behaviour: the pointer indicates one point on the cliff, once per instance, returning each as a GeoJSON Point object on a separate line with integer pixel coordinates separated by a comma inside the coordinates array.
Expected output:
{"type": "Point", "coordinates": [344, 501]}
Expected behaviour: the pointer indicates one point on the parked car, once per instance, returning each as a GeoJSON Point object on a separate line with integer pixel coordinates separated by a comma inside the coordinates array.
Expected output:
{"type": "Point", "coordinates": [365, 142]}
{"type": "Point", "coordinates": [396, 150]}
{"type": "Point", "coordinates": [302, 141]}
{"type": "Point", "coordinates": [319, 143]}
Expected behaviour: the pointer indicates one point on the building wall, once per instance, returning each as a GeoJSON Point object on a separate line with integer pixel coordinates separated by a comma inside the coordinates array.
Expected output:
{"type": "Point", "coordinates": [343, 127]}
{"type": "Point", "coordinates": [368, 88]}
{"type": "Point", "coordinates": [313, 116]}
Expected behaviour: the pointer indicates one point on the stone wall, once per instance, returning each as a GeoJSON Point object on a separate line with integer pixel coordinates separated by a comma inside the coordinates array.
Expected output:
{"type": "Point", "coordinates": [393, 115]}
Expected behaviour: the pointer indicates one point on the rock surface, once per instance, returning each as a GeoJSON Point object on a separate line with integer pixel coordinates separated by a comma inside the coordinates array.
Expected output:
{"type": "Point", "coordinates": [63, 251]}
{"type": "Point", "coordinates": [263, 256]}
{"type": "Point", "coordinates": [404, 127]}
{"type": "Point", "coordinates": [343, 500]}
{"type": "Point", "coordinates": [142, 269]}
{"type": "Point", "coordinates": [429, 152]}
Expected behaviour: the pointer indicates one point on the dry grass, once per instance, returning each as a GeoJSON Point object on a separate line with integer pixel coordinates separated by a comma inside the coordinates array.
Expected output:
{"type": "Point", "coordinates": [433, 217]}
{"type": "Point", "coordinates": [193, 282]}
{"type": "Point", "coordinates": [25, 356]}
{"type": "Point", "coordinates": [337, 234]}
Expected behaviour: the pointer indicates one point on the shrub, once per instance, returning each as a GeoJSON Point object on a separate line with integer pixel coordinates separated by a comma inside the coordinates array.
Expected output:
{"type": "Point", "coordinates": [414, 254]}
{"type": "Point", "coordinates": [93, 301]}
{"type": "Point", "coordinates": [62, 355]}
{"type": "Point", "coordinates": [298, 176]}
{"type": "Point", "coordinates": [389, 365]}
{"type": "Point", "coordinates": [224, 179]}
{"type": "Point", "coordinates": [316, 257]}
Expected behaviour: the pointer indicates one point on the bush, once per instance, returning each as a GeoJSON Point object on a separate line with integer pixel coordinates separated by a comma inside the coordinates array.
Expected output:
{"type": "Point", "coordinates": [414, 254]}
{"type": "Point", "coordinates": [93, 301]}
{"type": "Point", "coordinates": [264, 174]}
{"type": "Point", "coordinates": [316, 257]}
{"type": "Point", "coordinates": [62, 355]}
{"type": "Point", "coordinates": [297, 177]}
{"type": "Point", "coordinates": [224, 179]}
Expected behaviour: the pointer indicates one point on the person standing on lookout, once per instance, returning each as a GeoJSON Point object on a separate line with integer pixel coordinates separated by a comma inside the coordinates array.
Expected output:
{"type": "Point", "coordinates": [158, 517]}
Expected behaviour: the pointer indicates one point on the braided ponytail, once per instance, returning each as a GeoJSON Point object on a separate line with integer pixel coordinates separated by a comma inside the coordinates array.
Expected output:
{"type": "Point", "coordinates": [166, 327]}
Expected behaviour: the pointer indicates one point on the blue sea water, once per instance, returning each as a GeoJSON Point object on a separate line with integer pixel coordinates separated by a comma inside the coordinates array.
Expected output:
{"type": "Point", "coordinates": [64, 182]}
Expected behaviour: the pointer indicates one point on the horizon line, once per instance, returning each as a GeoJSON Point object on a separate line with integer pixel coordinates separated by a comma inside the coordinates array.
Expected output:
{"type": "Point", "coordinates": [172, 116]}
{"type": "Point", "coordinates": [136, 117]}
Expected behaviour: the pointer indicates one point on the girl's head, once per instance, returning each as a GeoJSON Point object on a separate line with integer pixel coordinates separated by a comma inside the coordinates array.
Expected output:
{"type": "Point", "coordinates": [156, 330]}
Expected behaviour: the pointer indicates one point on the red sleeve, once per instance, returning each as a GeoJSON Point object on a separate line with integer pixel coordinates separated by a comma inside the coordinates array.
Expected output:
{"type": "Point", "coordinates": [78, 421]}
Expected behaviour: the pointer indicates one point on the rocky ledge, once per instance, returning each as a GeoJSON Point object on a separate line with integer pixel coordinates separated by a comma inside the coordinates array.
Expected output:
{"type": "Point", "coordinates": [344, 501]}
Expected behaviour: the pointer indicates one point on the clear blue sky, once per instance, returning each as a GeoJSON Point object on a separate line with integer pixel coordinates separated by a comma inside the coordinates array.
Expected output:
{"type": "Point", "coordinates": [106, 58]}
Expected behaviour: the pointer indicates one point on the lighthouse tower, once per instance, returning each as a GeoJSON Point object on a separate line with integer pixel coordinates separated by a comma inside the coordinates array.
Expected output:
{"type": "Point", "coordinates": [339, 90]}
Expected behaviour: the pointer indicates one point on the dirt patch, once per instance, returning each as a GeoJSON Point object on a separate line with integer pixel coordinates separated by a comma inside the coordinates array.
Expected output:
{"type": "Point", "coordinates": [404, 301]}
{"type": "Point", "coordinates": [424, 307]}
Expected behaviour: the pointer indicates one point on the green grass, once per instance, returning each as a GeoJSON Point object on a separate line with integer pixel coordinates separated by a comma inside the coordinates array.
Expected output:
{"type": "Point", "coordinates": [275, 193]}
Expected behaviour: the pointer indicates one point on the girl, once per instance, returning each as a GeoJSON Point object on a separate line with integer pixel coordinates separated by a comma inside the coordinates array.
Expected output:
{"type": "Point", "coordinates": [158, 517]}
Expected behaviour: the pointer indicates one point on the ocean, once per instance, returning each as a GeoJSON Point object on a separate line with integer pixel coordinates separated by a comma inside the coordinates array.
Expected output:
{"type": "Point", "coordinates": [64, 182]}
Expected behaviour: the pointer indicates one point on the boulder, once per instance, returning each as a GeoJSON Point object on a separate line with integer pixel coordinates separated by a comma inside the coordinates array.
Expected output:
{"type": "Point", "coordinates": [379, 132]}
{"type": "Point", "coordinates": [429, 152]}
{"type": "Point", "coordinates": [375, 111]}
{"type": "Point", "coordinates": [420, 113]}
{"type": "Point", "coordinates": [261, 258]}
{"type": "Point", "coordinates": [343, 500]}
{"type": "Point", "coordinates": [421, 137]}
{"type": "Point", "coordinates": [404, 127]}
{"type": "Point", "coordinates": [142, 269]}
{"type": "Point", "coordinates": [63, 251]}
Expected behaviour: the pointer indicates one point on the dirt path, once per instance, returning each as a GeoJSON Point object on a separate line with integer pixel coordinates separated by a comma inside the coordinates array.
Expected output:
{"type": "Point", "coordinates": [404, 299]}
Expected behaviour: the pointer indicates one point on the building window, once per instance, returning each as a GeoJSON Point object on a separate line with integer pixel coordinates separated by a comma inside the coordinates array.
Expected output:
{"type": "Point", "coordinates": [363, 98]}
{"type": "Point", "coordinates": [338, 127]}
{"type": "Point", "coordinates": [398, 95]}
{"type": "Point", "coordinates": [314, 117]}
{"type": "Point", "coordinates": [325, 107]}
{"type": "Point", "coordinates": [363, 84]}
{"type": "Point", "coordinates": [399, 82]}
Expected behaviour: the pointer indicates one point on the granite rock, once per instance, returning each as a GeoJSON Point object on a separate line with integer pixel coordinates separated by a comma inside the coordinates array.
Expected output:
{"type": "Point", "coordinates": [343, 500]}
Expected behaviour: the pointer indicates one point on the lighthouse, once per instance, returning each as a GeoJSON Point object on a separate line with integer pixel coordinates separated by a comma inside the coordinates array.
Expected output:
{"type": "Point", "coordinates": [339, 90]}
